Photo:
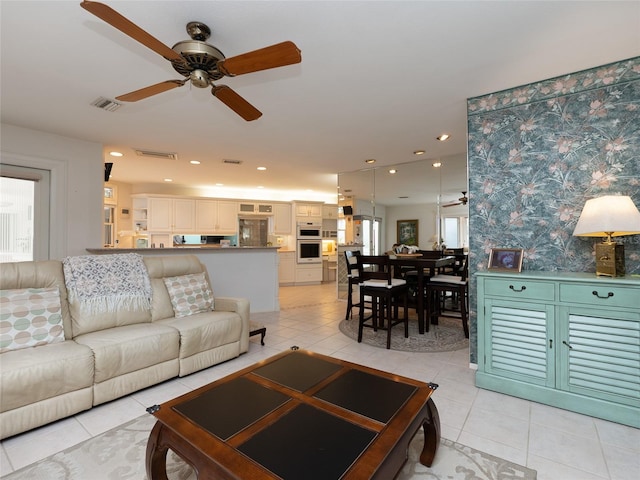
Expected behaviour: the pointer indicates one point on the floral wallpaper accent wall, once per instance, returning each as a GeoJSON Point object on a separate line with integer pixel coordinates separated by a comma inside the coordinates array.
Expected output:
{"type": "Point", "coordinates": [537, 152]}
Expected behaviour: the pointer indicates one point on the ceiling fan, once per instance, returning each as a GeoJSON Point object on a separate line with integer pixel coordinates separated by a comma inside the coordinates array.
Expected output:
{"type": "Point", "coordinates": [461, 201]}
{"type": "Point", "coordinates": [199, 62]}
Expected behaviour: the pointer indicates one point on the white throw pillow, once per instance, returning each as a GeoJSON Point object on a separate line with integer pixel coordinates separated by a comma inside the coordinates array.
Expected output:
{"type": "Point", "coordinates": [189, 294]}
{"type": "Point", "coordinates": [30, 317]}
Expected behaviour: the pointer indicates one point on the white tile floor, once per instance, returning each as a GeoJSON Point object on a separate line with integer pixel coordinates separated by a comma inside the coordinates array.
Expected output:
{"type": "Point", "coordinates": [560, 445]}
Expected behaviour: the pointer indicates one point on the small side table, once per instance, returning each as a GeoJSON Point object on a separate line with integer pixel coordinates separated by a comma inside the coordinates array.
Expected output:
{"type": "Point", "coordinates": [255, 329]}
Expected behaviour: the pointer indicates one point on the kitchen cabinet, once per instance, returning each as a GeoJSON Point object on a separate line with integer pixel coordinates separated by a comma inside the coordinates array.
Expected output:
{"type": "Point", "coordinates": [287, 268]}
{"type": "Point", "coordinates": [306, 211]}
{"type": "Point", "coordinates": [172, 215]}
{"type": "Point", "coordinates": [330, 212]}
{"type": "Point", "coordinates": [309, 273]}
{"type": "Point", "coordinates": [260, 208]}
{"type": "Point", "coordinates": [216, 217]}
{"type": "Point", "coordinates": [282, 219]}
{"type": "Point", "coordinates": [570, 340]}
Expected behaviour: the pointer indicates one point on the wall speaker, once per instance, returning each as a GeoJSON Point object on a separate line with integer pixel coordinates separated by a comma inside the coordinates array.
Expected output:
{"type": "Point", "coordinates": [107, 171]}
{"type": "Point", "coordinates": [347, 210]}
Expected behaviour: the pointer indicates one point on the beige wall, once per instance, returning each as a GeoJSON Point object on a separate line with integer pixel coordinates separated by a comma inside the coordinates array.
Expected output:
{"type": "Point", "coordinates": [77, 174]}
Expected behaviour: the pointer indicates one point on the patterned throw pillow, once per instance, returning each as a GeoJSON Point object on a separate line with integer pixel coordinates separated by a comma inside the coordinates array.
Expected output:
{"type": "Point", "coordinates": [189, 294]}
{"type": "Point", "coordinates": [30, 317]}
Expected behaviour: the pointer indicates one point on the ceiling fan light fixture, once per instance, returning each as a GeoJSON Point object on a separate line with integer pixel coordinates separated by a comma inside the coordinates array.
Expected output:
{"type": "Point", "coordinates": [199, 78]}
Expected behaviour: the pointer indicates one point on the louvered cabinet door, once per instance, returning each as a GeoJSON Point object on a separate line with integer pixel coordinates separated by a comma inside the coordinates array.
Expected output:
{"type": "Point", "coordinates": [519, 341]}
{"type": "Point", "coordinates": [600, 353]}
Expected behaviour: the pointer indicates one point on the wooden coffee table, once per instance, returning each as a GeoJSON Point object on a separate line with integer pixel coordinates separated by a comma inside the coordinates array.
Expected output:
{"type": "Point", "coordinates": [297, 415]}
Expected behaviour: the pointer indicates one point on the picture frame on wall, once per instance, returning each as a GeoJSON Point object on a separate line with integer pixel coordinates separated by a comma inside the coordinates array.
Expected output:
{"type": "Point", "coordinates": [407, 232]}
{"type": "Point", "coordinates": [506, 259]}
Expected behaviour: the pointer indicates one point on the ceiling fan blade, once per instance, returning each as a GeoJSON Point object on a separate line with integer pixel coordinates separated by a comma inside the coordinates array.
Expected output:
{"type": "Point", "coordinates": [236, 103]}
{"type": "Point", "coordinates": [129, 28]}
{"type": "Point", "coordinates": [278, 55]}
{"type": "Point", "coordinates": [150, 90]}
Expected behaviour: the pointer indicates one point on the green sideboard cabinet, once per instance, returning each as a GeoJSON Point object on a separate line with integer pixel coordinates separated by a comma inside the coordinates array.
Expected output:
{"type": "Point", "coordinates": [571, 340]}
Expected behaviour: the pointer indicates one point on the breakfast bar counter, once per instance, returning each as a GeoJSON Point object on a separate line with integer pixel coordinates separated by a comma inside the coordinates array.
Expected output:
{"type": "Point", "coordinates": [250, 272]}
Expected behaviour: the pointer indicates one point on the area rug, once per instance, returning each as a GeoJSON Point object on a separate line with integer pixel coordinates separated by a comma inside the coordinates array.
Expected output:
{"type": "Point", "coordinates": [119, 455]}
{"type": "Point", "coordinates": [447, 336]}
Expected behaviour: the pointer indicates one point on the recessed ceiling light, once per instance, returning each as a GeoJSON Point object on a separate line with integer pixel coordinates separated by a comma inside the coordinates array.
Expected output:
{"type": "Point", "coordinates": [168, 179]}
{"type": "Point", "coordinates": [437, 164]}
{"type": "Point", "coordinates": [116, 154]}
{"type": "Point", "coordinates": [219, 184]}
{"type": "Point", "coordinates": [262, 168]}
{"type": "Point", "coordinates": [194, 162]}
{"type": "Point", "coordinates": [392, 171]}
{"type": "Point", "coordinates": [419, 152]}
{"type": "Point", "coordinates": [370, 160]}
{"type": "Point", "coordinates": [443, 137]}
{"type": "Point", "coordinates": [260, 186]}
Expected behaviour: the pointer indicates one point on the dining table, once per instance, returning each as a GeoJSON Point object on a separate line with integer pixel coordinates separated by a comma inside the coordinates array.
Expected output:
{"type": "Point", "coordinates": [425, 268]}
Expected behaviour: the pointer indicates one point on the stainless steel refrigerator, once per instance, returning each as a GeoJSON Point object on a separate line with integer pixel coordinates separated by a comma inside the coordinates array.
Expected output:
{"type": "Point", "coordinates": [253, 231]}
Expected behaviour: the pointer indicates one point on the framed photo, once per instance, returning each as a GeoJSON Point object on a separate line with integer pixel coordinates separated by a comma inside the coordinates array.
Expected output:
{"type": "Point", "coordinates": [407, 232]}
{"type": "Point", "coordinates": [506, 259]}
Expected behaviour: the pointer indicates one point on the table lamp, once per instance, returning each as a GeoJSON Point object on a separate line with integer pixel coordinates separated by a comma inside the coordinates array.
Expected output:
{"type": "Point", "coordinates": [609, 216]}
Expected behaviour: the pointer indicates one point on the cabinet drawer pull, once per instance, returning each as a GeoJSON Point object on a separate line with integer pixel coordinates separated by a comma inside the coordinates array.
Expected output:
{"type": "Point", "coordinates": [522, 289]}
{"type": "Point", "coordinates": [595, 292]}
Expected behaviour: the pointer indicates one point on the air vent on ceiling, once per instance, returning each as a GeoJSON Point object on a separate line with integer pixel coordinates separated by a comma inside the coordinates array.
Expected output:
{"type": "Point", "coordinates": [232, 162]}
{"type": "Point", "coordinates": [106, 104]}
{"type": "Point", "coordinates": [150, 153]}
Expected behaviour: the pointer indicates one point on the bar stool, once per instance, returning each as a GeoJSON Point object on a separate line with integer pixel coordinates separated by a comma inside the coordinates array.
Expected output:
{"type": "Point", "coordinates": [386, 292]}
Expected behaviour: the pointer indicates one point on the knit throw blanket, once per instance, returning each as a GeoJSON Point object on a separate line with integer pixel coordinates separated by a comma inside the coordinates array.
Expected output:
{"type": "Point", "coordinates": [106, 283]}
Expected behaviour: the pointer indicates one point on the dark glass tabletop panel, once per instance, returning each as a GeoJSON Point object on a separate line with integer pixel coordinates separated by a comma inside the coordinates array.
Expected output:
{"type": "Point", "coordinates": [308, 444]}
{"type": "Point", "coordinates": [298, 371]}
{"type": "Point", "coordinates": [369, 395]}
{"type": "Point", "coordinates": [228, 408]}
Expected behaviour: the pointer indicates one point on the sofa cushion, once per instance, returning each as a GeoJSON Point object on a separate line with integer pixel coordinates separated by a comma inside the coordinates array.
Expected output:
{"type": "Point", "coordinates": [168, 266]}
{"type": "Point", "coordinates": [30, 317]}
{"type": "Point", "coordinates": [38, 274]}
{"type": "Point", "coordinates": [33, 374]}
{"type": "Point", "coordinates": [129, 348]}
{"type": "Point", "coordinates": [189, 294]}
{"type": "Point", "coordinates": [204, 331]}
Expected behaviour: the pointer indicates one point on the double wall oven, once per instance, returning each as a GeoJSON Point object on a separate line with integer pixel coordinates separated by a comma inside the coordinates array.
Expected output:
{"type": "Point", "coordinates": [309, 242]}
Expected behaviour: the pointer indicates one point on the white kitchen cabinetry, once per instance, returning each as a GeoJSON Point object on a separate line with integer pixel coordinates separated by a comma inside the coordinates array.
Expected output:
{"type": "Point", "coordinates": [330, 212]}
{"type": "Point", "coordinates": [309, 274]}
{"type": "Point", "coordinates": [287, 268]}
{"type": "Point", "coordinates": [309, 211]}
{"type": "Point", "coordinates": [217, 217]}
{"type": "Point", "coordinates": [259, 208]}
{"type": "Point", "coordinates": [140, 214]}
{"type": "Point", "coordinates": [571, 340]}
{"type": "Point", "coordinates": [171, 215]}
{"type": "Point", "coordinates": [282, 219]}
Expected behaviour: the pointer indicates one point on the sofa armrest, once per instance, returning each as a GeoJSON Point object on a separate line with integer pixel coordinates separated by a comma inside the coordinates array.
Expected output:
{"type": "Point", "coordinates": [241, 306]}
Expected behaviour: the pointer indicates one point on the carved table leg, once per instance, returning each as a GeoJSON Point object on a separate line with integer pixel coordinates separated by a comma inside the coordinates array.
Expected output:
{"type": "Point", "coordinates": [156, 459]}
{"type": "Point", "coordinates": [431, 427]}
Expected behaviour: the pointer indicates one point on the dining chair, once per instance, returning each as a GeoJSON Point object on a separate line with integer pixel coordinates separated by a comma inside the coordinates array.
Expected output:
{"type": "Point", "coordinates": [386, 292]}
{"type": "Point", "coordinates": [458, 285]}
{"type": "Point", "coordinates": [350, 257]}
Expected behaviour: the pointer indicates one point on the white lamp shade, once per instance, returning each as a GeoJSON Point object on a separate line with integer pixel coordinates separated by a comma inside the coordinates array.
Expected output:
{"type": "Point", "coordinates": [614, 215]}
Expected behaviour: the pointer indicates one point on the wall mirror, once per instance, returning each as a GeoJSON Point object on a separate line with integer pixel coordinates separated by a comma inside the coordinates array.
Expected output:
{"type": "Point", "coordinates": [417, 190]}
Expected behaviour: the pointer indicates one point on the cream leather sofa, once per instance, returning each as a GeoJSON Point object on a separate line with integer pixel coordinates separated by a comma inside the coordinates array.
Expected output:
{"type": "Point", "coordinates": [106, 356]}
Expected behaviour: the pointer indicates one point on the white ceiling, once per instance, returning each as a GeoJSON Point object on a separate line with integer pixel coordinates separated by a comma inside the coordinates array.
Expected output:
{"type": "Point", "coordinates": [378, 79]}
